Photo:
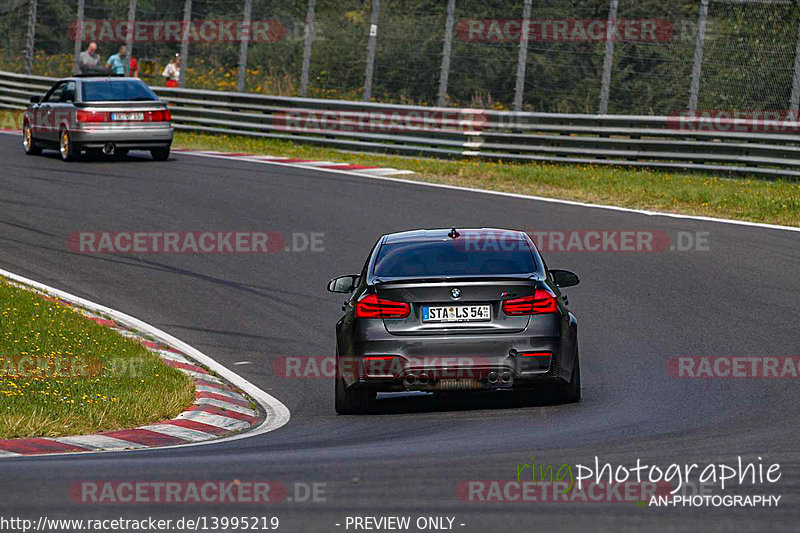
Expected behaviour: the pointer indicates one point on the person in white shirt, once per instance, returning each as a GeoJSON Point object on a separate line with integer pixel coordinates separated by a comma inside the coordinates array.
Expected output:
{"type": "Point", "coordinates": [172, 72]}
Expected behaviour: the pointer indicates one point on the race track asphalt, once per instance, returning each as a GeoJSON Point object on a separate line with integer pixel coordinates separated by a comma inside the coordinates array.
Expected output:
{"type": "Point", "coordinates": [741, 296]}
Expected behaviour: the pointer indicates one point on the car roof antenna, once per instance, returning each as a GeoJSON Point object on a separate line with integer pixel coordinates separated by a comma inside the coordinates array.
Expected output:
{"type": "Point", "coordinates": [454, 234]}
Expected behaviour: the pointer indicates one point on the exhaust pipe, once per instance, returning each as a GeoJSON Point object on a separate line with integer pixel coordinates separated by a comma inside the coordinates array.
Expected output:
{"type": "Point", "coordinates": [505, 377]}
{"type": "Point", "coordinates": [492, 377]}
{"type": "Point", "coordinates": [108, 149]}
{"type": "Point", "coordinates": [410, 379]}
{"type": "Point", "coordinates": [423, 379]}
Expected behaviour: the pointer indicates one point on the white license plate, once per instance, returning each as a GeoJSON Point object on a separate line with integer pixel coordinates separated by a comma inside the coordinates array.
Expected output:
{"type": "Point", "coordinates": [127, 116]}
{"type": "Point", "coordinates": [457, 313]}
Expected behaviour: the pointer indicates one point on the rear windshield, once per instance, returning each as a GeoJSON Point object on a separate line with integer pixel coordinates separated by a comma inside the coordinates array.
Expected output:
{"type": "Point", "coordinates": [117, 91]}
{"type": "Point", "coordinates": [454, 258]}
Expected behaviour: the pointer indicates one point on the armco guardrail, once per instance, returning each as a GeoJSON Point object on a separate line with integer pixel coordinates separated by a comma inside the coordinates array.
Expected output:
{"type": "Point", "coordinates": [765, 148]}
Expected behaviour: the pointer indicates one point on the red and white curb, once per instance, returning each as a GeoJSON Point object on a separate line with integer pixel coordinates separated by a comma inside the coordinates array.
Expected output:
{"type": "Point", "coordinates": [226, 406]}
{"type": "Point", "coordinates": [296, 162]}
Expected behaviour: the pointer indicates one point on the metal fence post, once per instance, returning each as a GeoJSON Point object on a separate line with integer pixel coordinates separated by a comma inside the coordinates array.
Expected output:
{"type": "Point", "coordinates": [372, 44]}
{"type": "Point", "coordinates": [522, 56]}
{"type": "Point", "coordinates": [78, 36]}
{"type": "Point", "coordinates": [448, 44]}
{"type": "Point", "coordinates": [605, 87]}
{"type": "Point", "coordinates": [129, 37]}
{"type": "Point", "coordinates": [794, 99]}
{"type": "Point", "coordinates": [30, 37]}
{"type": "Point", "coordinates": [694, 89]}
{"type": "Point", "coordinates": [187, 20]}
{"type": "Point", "coordinates": [307, 48]}
{"type": "Point", "coordinates": [248, 6]}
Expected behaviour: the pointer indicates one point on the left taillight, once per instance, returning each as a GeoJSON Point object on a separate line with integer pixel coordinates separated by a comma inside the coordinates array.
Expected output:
{"type": "Point", "coordinates": [541, 302]}
{"type": "Point", "coordinates": [370, 306]}
{"type": "Point", "coordinates": [91, 116]}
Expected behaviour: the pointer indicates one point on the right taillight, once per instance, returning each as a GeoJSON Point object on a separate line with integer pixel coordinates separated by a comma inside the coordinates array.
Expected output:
{"type": "Point", "coordinates": [370, 306]}
{"type": "Point", "coordinates": [540, 302]}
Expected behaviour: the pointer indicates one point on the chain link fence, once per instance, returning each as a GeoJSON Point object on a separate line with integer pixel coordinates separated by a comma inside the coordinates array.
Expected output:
{"type": "Point", "coordinates": [635, 57]}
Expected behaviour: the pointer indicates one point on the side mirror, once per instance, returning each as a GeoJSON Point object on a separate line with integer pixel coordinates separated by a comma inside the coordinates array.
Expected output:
{"type": "Point", "coordinates": [564, 278]}
{"type": "Point", "coordinates": [344, 284]}
{"type": "Point", "coordinates": [36, 99]}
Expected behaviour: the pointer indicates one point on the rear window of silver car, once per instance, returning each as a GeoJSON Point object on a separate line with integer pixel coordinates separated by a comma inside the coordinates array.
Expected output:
{"type": "Point", "coordinates": [116, 91]}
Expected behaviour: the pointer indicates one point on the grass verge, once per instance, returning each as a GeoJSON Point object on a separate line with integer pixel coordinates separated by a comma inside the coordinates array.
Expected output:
{"type": "Point", "coordinates": [753, 199]}
{"type": "Point", "coordinates": [63, 374]}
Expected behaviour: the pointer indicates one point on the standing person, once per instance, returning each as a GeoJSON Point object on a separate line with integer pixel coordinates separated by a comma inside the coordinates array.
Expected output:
{"type": "Point", "coordinates": [134, 69]}
{"type": "Point", "coordinates": [89, 60]}
{"type": "Point", "coordinates": [117, 63]}
{"type": "Point", "coordinates": [172, 72]}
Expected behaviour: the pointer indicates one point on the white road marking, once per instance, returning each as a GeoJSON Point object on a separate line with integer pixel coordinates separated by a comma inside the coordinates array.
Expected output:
{"type": "Point", "coordinates": [211, 419]}
{"type": "Point", "coordinates": [226, 405]}
{"type": "Point", "coordinates": [98, 442]}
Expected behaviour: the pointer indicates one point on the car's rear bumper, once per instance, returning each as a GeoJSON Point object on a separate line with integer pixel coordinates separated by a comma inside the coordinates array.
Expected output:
{"type": "Point", "coordinates": [543, 352]}
{"type": "Point", "coordinates": [131, 138]}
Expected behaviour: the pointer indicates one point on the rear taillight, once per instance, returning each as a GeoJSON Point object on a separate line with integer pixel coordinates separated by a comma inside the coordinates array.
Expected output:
{"type": "Point", "coordinates": [542, 301]}
{"type": "Point", "coordinates": [371, 306]}
{"type": "Point", "coordinates": [160, 115]}
{"type": "Point", "coordinates": [91, 116]}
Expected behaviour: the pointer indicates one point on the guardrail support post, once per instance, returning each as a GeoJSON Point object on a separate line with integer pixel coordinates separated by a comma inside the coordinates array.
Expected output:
{"type": "Point", "coordinates": [371, 45]}
{"type": "Point", "coordinates": [248, 7]}
{"type": "Point", "coordinates": [30, 37]}
{"type": "Point", "coordinates": [448, 44]}
{"type": "Point", "coordinates": [187, 20]}
{"type": "Point", "coordinates": [129, 37]}
{"type": "Point", "coordinates": [694, 89]}
{"type": "Point", "coordinates": [605, 84]}
{"type": "Point", "coordinates": [522, 56]}
{"type": "Point", "coordinates": [307, 48]}
{"type": "Point", "coordinates": [78, 36]}
{"type": "Point", "coordinates": [794, 99]}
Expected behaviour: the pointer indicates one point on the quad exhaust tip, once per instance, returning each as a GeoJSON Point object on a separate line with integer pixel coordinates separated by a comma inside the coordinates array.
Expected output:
{"type": "Point", "coordinates": [411, 379]}
{"type": "Point", "coordinates": [423, 379]}
{"type": "Point", "coordinates": [505, 377]}
{"type": "Point", "coordinates": [108, 149]}
{"type": "Point", "coordinates": [492, 377]}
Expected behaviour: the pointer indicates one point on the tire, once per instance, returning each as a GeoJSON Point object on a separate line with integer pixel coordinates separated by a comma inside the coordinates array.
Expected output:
{"type": "Point", "coordinates": [68, 151]}
{"type": "Point", "coordinates": [28, 142]}
{"type": "Point", "coordinates": [353, 401]}
{"type": "Point", "coordinates": [571, 392]}
{"type": "Point", "coordinates": [160, 154]}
